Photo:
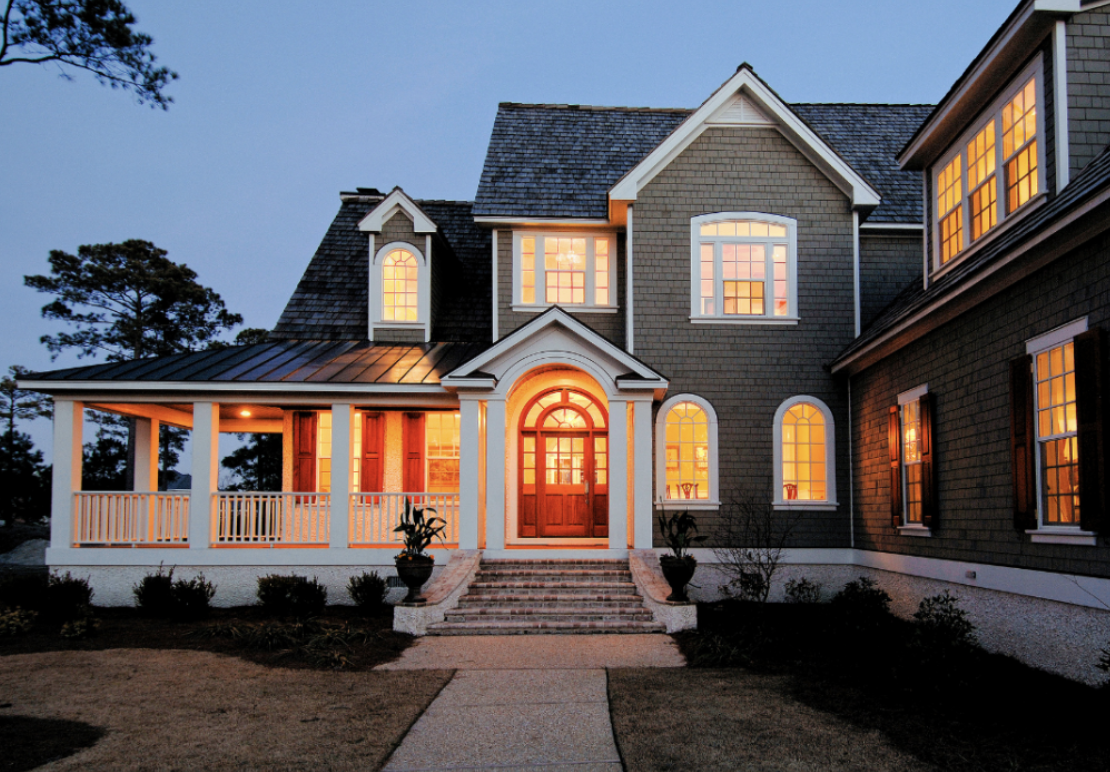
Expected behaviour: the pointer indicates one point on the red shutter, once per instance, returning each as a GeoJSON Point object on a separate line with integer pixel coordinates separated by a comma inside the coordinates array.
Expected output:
{"type": "Point", "coordinates": [1023, 443]}
{"type": "Point", "coordinates": [372, 474]}
{"type": "Point", "coordinates": [304, 452]}
{"type": "Point", "coordinates": [894, 447]}
{"type": "Point", "coordinates": [1091, 411]}
{"type": "Point", "coordinates": [414, 452]}
{"type": "Point", "coordinates": [929, 509]}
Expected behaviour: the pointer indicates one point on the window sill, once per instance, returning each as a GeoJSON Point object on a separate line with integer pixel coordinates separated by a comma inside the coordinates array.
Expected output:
{"type": "Point", "coordinates": [1063, 536]}
{"type": "Point", "coordinates": [681, 504]}
{"type": "Point", "coordinates": [783, 321]}
{"type": "Point", "coordinates": [1014, 217]}
{"type": "Point", "coordinates": [816, 506]}
{"type": "Point", "coordinates": [569, 309]}
{"type": "Point", "coordinates": [915, 530]}
{"type": "Point", "coordinates": [399, 325]}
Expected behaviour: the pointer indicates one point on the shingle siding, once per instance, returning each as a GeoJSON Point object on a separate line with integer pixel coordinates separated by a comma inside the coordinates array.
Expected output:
{"type": "Point", "coordinates": [746, 372]}
{"type": "Point", "coordinates": [965, 364]}
{"type": "Point", "coordinates": [887, 263]}
{"type": "Point", "coordinates": [1088, 53]}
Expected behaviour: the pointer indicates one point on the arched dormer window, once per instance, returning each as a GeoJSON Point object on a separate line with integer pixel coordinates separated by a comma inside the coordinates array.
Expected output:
{"type": "Point", "coordinates": [805, 454]}
{"type": "Point", "coordinates": [400, 292]}
{"type": "Point", "coordinates": [743, 268]}
{"type": "Point", "coordinates": [686, 454]}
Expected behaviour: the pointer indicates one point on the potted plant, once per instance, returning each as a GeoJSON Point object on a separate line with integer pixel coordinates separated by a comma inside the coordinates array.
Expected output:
{"type": "Point", "coordinates": [680, 533]}
{"type": "Point", "coordinates": [414, 566]}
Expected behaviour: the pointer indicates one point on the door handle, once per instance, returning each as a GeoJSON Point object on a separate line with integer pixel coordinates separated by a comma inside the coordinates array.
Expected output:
{"type": "Point", "coordinates": [587, 487]}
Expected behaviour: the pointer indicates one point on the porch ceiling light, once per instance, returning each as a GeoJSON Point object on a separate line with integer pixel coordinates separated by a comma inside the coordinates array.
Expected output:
{"type": "Point", "coordinates": [245, 413]}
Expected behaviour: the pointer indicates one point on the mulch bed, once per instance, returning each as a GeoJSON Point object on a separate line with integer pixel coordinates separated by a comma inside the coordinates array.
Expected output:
{"type": "Point", "coordinates": [959, 710]}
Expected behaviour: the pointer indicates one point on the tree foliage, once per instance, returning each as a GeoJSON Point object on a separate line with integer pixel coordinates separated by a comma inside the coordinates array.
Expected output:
{"type": "Point", "coordinates": [91, 35]}
{"type": "Point", "coordinates": [18, 404]}
{"type": "Point", "coordinates": [256, 465]}
{"type": "Point", "coordinates": [26, 493]}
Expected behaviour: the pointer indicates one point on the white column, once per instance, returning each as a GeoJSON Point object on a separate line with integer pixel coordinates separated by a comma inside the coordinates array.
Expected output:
{"type": "Point", "coordinates": [146, 453]}
{"type": "Point", "coordinates": [342, 451]}
{"type": "Point", "coordinates": [69, 419]}
{"type": "Point", "coordinates": [644, 458]}
{"type": "Point", "coordinates": [495, 474]}
{"type": "Point", "coordinates": [206, 454]}
{"type": "Point", "coordinates": [618, 474]}
{"type": "Point", "coordinates": [469, 431]}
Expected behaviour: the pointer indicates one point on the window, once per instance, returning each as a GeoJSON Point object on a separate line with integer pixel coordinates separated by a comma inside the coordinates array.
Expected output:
{"type": "Point", "coordinates": [912, 477]}
{"type": "Point", "coordinates": [686, 442]}
{"type": "Point", "coordinates": [743, 268]}
{"type": "Point", "coordinates": [1057, 432]}
{"type": "Point", "coordinates": [442, 437]}
{"type": "Point", "coordinates": [400, 276]}
{"type": "Point", "coordinates": [970, 200]}
{"type": "Point", "coordinates": [805, 473]}
{"type": "Point", "coordinates": [323, 453]}
{"type": "Point", "coordinates": [400, 289]}
{"type": "Point", "coordinates": [564, 269]}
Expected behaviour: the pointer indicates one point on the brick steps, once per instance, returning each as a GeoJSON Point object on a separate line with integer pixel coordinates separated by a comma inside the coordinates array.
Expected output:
{"type": "Point", "coordinates": [521, 597]}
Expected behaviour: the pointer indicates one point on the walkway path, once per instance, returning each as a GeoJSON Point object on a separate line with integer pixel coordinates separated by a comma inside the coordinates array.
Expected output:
{"type": "Point", "coordinates": [533, 702]}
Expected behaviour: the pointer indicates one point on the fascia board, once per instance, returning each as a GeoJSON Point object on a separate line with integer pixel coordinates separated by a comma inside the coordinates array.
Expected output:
{"type": "Point", "coordinates": [397, 200]}
{"type": "Point", "coordinates": [253, 387]}
{"type": "Point", "coordinates": [544, 222]}
{"type": "Point", "coordinates": [792, 127]}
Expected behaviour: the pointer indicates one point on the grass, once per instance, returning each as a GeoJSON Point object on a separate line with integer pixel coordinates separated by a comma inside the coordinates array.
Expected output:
{"type": "Point", "coordinates": [959, 710]}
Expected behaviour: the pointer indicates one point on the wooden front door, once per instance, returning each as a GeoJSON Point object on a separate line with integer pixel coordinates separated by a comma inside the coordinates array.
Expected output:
{"type": "Point", "coordinates": [564, 471]}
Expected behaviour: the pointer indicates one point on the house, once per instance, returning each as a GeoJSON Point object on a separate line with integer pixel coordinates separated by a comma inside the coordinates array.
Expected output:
{"type": "Point", "coordinates": [879, 321]}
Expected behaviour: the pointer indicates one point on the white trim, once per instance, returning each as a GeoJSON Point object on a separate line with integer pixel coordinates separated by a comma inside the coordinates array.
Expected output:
{"type": "Point", "coordinates": [746, 84]}
{"type": "Point", "coordinates": [1056, 336]}
{"type": "Point", "coordinates": [739, 111]}
{"type": "Point", "coordinates": [370, 290]}
{"type": "Point", "coordinates": [912, 395]}
{"type": "Point", "coordinates": [540, 271]}
{"type": "Point", "coordinates": [782, 321]}
{"type": "Point", "coordinates": [397, 201]}
{"type": "Point", "coordinates": [830, 500]}
{"type": "Point", "coordinates": [423, 288]}
{"type": "Point", "coordinates": [194, 387]}
{"type": "Point", "coordinates": [994, 233]}
{"type": "Point", "coordinates": [714, 500]}
{"type": "Point", "coordinates": [855, 269]}
{"type": "Point", "coordinates": [719, 316]}
{"type": "Point", "coordinates": [1060, 102]}
{"type": "Point", "coordinates": [620, 445]}
{"type": "Point", "coordinates": [544, 222]}
{"type": "Point", "coordinates": [1057, 535]}
{"type": "Point", "coordinates": [428, 258]}
{"type": "Point", "coordinates": [629, 320]}
{"type": "Point", "coordinates": [69, 419]}
{"type": "Point", "coordinates": [495, 288]}
{"type": "Point", "coordinates": [891, 226]}
{"type": "Point", "coordinates": [205, 442]}
{"type": "Point", "coordinates": [539, 309]}
{"type": "Point", "coordinates": [915, 529]}
{"type": "Point", "coordinates": [643, 515]}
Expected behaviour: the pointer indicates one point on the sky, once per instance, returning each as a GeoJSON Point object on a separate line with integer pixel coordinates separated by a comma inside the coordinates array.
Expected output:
{"type": "Point", "coordinates": [281, 105]}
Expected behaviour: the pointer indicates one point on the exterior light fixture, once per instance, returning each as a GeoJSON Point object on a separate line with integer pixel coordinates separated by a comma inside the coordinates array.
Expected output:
{"type": "Point", "coordinates": [245, 413]}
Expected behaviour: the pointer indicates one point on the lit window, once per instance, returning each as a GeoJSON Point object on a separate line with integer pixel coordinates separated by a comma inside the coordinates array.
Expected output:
{"type": "Point", "coordinates": [1054, 375]}
{"type": "Point", "coordinates": [442, 436]}
{"type": "Point", "coordinates": [564, 269]}
{"type": "Point", "coordinates": [950, 211]}
{"type": "Point", "coordinates": [400, 273]}
{"type": "Point", "coordinates": [1019, 146]}
{"type": "Point", "coordinates": [911, 460]}
{"type": "Point", "coordinates": [743, 266]}
{"type": "Point", "coordinates": [687, 452]}
{"type": "Point", "coordinates": [324, 447]}
{"type": "Point", "coordinates": [803, 454]}
{"type": "Point", "coordinates": [981, 181]}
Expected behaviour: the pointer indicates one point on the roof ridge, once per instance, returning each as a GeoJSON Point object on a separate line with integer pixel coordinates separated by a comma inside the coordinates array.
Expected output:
{"type": "Point", "coordinates": [599, 108]}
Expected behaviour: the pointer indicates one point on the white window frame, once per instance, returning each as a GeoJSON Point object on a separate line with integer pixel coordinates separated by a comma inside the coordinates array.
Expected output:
{"type": "Point", "coordinates": [905, 398]}
{"type": "Point", "coordinates": [720, 317]}
{"type": "Point", "coordinates": [1052, 533]}
{"type": "Point", "coordinates": [428, 450]}
{"type": "Point", "coordinates": [540, 270]}
{"type": "Point", "coordinates": [1035, 69]}
{"type": "Point", "coordinates": [829, 503]}
{"type": "Point", "coordinates": [423, 290]}
{"type": "Point", "coordinates": [714, 500]}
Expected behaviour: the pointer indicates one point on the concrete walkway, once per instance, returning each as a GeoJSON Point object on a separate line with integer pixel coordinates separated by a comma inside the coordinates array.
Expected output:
{"type": "Point", "coordinates": [530, 702]}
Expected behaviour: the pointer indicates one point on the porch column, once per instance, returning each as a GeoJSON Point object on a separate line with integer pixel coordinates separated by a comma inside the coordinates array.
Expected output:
{"type": "Point", "coordinates": [342, 449]}
{"type": "Point", "coordinates": [618, 474]}
{"type": "Point", "coordinates": [69, 419]}
{"type": "Point", "coordinates": [641, 484]}
{"type": "Point", "coordinates": [146, 454]}
{"type": "Point", "coordinates": [206, 453]}
{"type": "Point", "coordinates": [469, 432]}
{"type": "Point", "coordinates": [495, 474]}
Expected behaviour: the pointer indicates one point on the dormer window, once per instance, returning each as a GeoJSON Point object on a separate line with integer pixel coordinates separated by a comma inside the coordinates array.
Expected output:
{"type": "Point", "coordinates": [400, 282]}
{"type": "Point", "coordinates": [565, 269]}
{"type": "Point", "coordinates": [992, 171]}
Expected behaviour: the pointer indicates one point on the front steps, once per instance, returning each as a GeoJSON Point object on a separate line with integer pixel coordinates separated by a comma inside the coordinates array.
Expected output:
{"type": "Point", "coordinates": [522, 597]}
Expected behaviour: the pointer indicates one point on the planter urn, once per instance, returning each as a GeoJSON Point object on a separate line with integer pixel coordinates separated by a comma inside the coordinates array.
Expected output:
{"type": "Point", "coordinates": [414, 572]}
{"type": "Point", "coordinates": [678, 572]}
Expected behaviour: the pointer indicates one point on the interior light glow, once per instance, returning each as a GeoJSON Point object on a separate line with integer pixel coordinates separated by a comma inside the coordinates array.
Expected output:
{"type": "Point", "coordinates": [245, 413]}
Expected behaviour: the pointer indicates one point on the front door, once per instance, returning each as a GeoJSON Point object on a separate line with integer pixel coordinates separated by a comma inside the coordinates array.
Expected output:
{"type": "Point", "coordinates": [564, 467]}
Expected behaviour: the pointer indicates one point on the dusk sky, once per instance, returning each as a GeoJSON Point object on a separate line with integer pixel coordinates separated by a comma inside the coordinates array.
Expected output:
{"type": "Point", "coordinates": [281, 105]}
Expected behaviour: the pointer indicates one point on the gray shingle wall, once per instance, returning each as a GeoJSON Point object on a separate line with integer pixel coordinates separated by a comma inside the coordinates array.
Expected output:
{"type": "Point", "coordinates": [746, 372]}
{"type": "Point", "coordinates": [1088, 36]}
{"type": "Point", "coordinates": [887, 263]}
{"type": "Point", "coordinates": [965, 364]}
{"type": "Point", "coordinates": [611, 326]}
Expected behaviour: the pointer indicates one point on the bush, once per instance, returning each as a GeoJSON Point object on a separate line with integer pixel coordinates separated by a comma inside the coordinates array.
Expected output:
{"type": "Point", "coordinates": [26, 591]}
{"type": "Point", "coordinates": [942, 624]}
{"type": "Point", "coordinates": [1103, 664]}
{"type": "Point", "coordinates": [861, 605]}
{"type": "Point", "coordinates": [84, 627]}
{"type": "Point", "coordinates": [16, 621]}
{"type": "Point", "coordinates": [803, 591]}
{"type": "Point", "coordinates": [294, 596]}
{"type": "Point", "coordinates": [67, 597]}
{"type": "Point", "coordinates": [154, 593]}
{"type": "Point", "coordinates": [368, 591]}
{"type": "Point", "coordinates": [192, 598]}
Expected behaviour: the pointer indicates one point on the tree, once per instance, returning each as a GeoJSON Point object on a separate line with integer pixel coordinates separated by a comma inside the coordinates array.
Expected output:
{"type": "Point", "coordinates": [104, 463]}
{"type": "Point", "coordinates": [17, 404]}
{"type": "Point", "coordinates": [91, 35]}
{"type": "Point", "coordinates": [752, 538]}
{"type": "Point", "coordinates": [257, 464]}
{"type": "Point", "coordinates": [26, 493]}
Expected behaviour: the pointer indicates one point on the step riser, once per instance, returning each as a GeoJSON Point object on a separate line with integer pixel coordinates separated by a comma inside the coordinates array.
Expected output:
{"type": "Point", "coordinates": [573, 602]}
{"type": "Point", "coordinates": [529, 619]}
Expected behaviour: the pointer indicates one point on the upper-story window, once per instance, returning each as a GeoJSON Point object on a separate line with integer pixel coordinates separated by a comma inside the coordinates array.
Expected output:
{"type": "Point", "coordinates": [400, 280]}
{"type": "Point", "coordinates": [992, 170]}
{"type": "Point", "coordinates": [743, 267]}
{"type": "Point", "coordinates": [566, 269]}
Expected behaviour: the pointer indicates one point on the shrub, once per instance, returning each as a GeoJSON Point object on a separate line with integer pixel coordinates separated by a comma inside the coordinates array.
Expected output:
{"type": "Point", "coordinates": [942, 624]}
{"type": "Point", "coordinates": [1103, 664]}
{"type": "Point", "coordinates": [861, 604]}
{"type": "Point", "coordinates": [16, 621]}
{"type": "Point", "coordinates": [368, 591]}
{"type": "Point", "coordinates": [154, 593]}
{"type": "Point", "coordinates": [803, 591]}
{"type": "Point", "coordinates": [67, 597]}
{"type": "Point", "coordinates": [295, 596]}
{"type": "Point", "coordinates": [83, 627]}
{"type": "Point", "coordinates": [192, 598]}
{"type": "Point", "coordinates": [26, 591]}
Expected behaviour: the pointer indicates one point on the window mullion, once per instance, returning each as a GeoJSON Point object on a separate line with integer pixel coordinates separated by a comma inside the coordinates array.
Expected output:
{"type": "Point", "coordinates": [718, 279]}
{"type": "Point", "coordinates": [591, 278]}
{"type": "Point", "coordinates": [768, 278]}
{"type": "Point", "coordinates": [541, 270]}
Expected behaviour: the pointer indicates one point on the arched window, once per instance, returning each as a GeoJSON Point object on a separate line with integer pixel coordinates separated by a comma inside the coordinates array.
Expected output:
{"type": "Point", "coordinates": [400, 282]}
{"type": "Point", "coordinates": [686, 464]}
{"type": "Point", "coordinates": [805, 473]}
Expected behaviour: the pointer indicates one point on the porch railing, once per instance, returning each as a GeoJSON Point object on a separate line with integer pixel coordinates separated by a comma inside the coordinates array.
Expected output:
{"type": "Point", "coordinates": [300, 519]}
{"type": "Point", "coordinates": [131, 518]}
{"type": "Point", "coordinates": [375, 515]}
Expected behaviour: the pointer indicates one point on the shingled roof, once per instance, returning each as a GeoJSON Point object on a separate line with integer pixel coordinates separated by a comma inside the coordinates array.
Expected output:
{"type": "Point", "coordinates": [1094, 179]}
{"type": "Point", "coordinates": [330, 301]}
{"type": "Point", "coordinates": [561, 160]}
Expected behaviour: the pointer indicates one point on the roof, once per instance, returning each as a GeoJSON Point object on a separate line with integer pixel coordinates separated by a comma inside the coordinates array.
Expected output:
{"type": "Point", "coordinates": [330, 300]}
{"type": "Point", "coordinates": [1091, 181]}
{"type": "Point", "coordinates": [287, 361]}
{"type": "Point", "coordinates": [561, 160]}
